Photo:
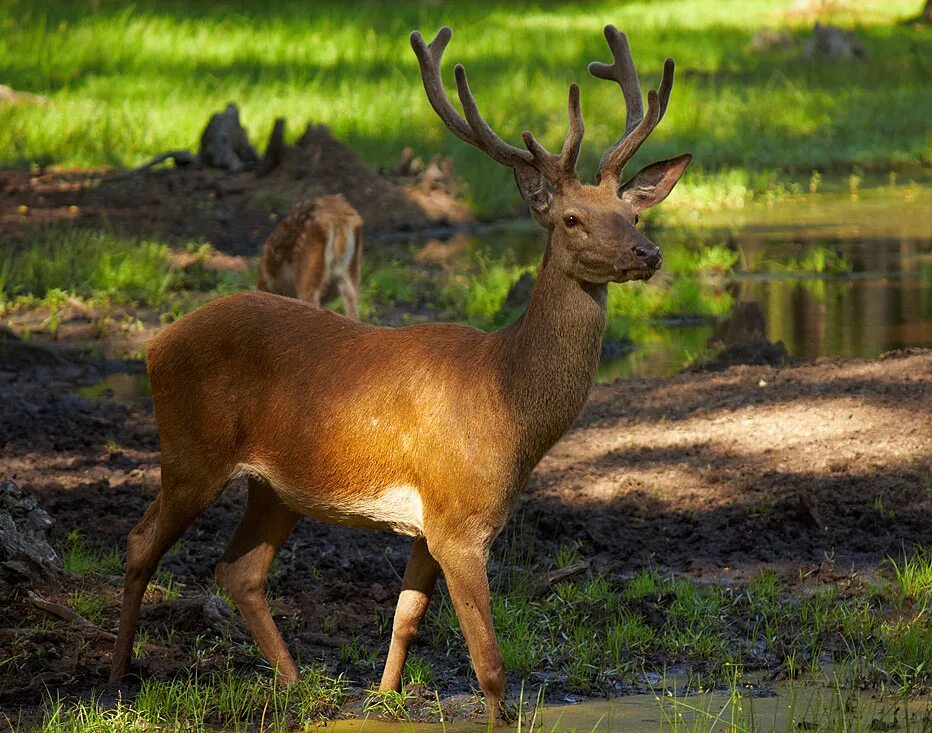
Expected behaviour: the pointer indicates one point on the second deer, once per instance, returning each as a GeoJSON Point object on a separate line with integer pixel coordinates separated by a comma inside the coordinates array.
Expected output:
{"type": "Point", "coordinates": [315, 253]}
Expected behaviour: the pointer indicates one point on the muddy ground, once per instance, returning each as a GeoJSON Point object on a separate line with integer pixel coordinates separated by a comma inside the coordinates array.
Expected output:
{"type": "Point", "coordinates": [712, 475]}
{"type": "Point", "coordinates": [801, 469]}
{"type": "Point", "coordinates": [233, 211]}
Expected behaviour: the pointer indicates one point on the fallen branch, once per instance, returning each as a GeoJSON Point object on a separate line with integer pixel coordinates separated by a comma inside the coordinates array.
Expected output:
{"type": "Point", "coordinates": [81, 623]}
{"type": "Point", "coordinates": [59, 611]}
{"type": "Point", "coordinates": [542, 585]}
{"type": "Point", "coordinates": [181, 158]}
{"type": "Point", "coordinates": [211, 610]}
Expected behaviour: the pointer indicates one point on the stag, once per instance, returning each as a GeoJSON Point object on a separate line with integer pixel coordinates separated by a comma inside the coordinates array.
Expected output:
{"type": "Point", "coordinates": [430, 431]}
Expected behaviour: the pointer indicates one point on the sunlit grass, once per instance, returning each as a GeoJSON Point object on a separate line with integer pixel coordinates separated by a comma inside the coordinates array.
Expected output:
{"type": "Point", "coordinates": [60, 263]}
{"type": "Point", "coordinates": [124, 83]}
{"type": "Point", "coordinates": [913, 574]}
{"type": "Point", "coordinates": [230, 701]}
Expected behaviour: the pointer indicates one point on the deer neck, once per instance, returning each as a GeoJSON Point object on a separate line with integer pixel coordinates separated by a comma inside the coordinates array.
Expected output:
{"type": "Point", "coordinates": [550, 357]}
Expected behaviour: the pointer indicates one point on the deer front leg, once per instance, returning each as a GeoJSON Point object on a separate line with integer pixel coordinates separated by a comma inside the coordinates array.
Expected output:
{"type": "Point", "coordinates": [416, 590]}
{"type": "Point", "coordinates": [468, 581]}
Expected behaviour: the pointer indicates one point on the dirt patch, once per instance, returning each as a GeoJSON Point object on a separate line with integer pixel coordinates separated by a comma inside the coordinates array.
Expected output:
{"type": "Point", "coordinates": [232, 211]}
{"type": "Point", "coordinates": [822, 465]}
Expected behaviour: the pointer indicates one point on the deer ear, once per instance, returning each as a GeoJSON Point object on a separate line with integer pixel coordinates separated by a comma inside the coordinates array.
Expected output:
{"type": "Point", "coordinates": [533, 188]}
{"type": "Point", "coordinates": [653, 184]}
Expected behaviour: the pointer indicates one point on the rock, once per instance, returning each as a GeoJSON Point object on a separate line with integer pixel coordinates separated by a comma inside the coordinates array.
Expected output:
{"type": "Point", "coordinates": [832, 43]}
{"type": "Point", "coordinates": [25, 553]}
{"type": "Point", "coordinates": [747, 323]}
{"type": "Point", "coordinates": [743, 340]}
{"type": "Point", "coordinates": [16, 354]}
{"type": "Point", "coordinates": [225, 144]}
{"type": "Point", "coordinates": [519, 294]}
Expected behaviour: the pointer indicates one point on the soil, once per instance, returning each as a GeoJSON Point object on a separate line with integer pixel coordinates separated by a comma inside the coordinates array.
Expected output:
{"type": "Point", "coordinates": [713, 474]}
{"type": "Point", "coordinates": [233, 211]}
{"type": "Point", "coordinates": [710, 474]}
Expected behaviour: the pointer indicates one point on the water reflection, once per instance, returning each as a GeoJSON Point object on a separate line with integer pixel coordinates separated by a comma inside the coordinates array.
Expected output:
{"type": "Point", "coordinates": [880, 300]}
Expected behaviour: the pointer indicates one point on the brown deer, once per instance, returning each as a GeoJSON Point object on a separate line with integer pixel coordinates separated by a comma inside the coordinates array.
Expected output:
{"type": "Point", "coordinates": [315, 253]}
{"type": "Point", "coordinates": [431, 430]}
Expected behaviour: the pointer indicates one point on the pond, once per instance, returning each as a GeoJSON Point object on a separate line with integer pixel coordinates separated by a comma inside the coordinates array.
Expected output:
{"type": "Point", "coordinates": [836, 275]}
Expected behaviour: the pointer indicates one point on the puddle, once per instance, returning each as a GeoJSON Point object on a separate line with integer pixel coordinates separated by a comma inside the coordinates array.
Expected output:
{"type": "Point", "coordinates": [125, 388]}
{"type": "Point", "coordinates": [790, 709]}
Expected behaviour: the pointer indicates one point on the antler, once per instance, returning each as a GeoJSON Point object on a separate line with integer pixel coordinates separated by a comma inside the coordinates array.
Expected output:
{"type": "Point", "coordinates": [557, 169]}
{"type": "Point", "coordinates": [638, 125]}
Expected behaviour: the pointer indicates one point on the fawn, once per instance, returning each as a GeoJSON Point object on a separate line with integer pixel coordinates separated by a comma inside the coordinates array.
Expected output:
{"type": "Point", "coordinates": [314, 253]}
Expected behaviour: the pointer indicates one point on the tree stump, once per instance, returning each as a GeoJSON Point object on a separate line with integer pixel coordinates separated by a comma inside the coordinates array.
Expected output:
{"type": "Point", "coordinates": [225, 143]}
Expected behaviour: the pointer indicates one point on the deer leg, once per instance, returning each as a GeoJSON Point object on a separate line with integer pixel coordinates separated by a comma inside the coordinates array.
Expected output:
{"type": "Point", "coordinates": [164, 522]}
{"type": "Point", "coordinates": [245, 564]}
{"type": "Point", "coordinates": [350, 296]}
{"type": "Point", "coordinates": [416, 590]}
{"type": "Point", "coordinates": [468, 582]}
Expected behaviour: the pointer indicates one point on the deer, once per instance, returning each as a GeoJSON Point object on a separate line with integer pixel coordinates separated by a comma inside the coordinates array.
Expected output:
{"type": "Point", "coordinates": [428, 430]}
{"type": "Point", "coordinates": [315, 253]}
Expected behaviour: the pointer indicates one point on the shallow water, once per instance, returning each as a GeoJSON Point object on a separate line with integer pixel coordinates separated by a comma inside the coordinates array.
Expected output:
{"type": "Point", "coordinates": [789, 709]}
{"type": "Point", "coordinates": [882, 302]}
{"type": "Point", "coordinates": [121, 387]}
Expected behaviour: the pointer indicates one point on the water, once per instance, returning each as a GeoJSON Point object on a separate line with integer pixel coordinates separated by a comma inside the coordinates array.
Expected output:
{"type": "Point", "coordinates": [120, 387]}
{"type": "Point", "coordinates": [788, 709]}
{"type": "Point", "coordinates": [881, 301]}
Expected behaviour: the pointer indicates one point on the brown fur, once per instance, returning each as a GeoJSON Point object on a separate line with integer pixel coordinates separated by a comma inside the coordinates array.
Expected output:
{"type": "Point", "coordinates": [430, 430]}
{"type": "Point", "coordinates": [315, 253]}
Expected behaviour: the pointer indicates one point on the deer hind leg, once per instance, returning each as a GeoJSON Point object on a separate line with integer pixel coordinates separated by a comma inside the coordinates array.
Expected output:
{"type": "Point", "coordinates": [350, 295]}
{"type": "Point", "coordinates": [245, 564]}
{"type": "Point", "coordinates": [164, 522]}
{"type": "Point", "coordinates": [468, 582]}
{"type": "Point", "coordinates": [416, 590]}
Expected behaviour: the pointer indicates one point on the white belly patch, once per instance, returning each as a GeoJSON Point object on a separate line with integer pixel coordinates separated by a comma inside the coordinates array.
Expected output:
{"type": "Point", "coordinates": [396, 508]}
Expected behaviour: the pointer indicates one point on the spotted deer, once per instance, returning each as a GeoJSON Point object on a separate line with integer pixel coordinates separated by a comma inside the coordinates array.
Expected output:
{"type": "Point", "coordinates": [431, 430]}
{"type": "Point", "coordinates": [315, 253]}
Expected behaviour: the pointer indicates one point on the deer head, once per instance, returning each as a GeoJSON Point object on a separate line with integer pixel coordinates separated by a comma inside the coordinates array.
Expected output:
{"type": "Point", "coordinates": [593, 234]}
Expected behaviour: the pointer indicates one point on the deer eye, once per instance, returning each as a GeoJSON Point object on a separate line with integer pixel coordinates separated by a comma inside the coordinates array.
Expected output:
{"type": "Point", "coordinates": [570, 220]}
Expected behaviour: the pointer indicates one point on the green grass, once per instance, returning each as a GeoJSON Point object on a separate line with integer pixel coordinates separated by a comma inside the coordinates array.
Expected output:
{"type": "Point", "coordinates": [60, 263]}
{"type": "Point", "coordinates": [418, 671]}
{"type": "Point", "coordinates": [81, 560]}
{"type": "Point", "coordinates": [229, 702]}
{"type": "Point", "coordinates": [586, 635]}
{"type": "Point", "coordinates": [390, 703]}
{"type": "Point", "coordinates": [126, 82]}
{"type": "Point", "coordinates": [69, 261]}
{"type": "Point", "coordinates": [591, 633]}
{"type": "Point", "coordinates": [88, 604]}
{"type": "Point", "coordinates": [913, 575]}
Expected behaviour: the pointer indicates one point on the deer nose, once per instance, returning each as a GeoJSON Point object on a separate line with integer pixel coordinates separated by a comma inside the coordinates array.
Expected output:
{"type": "Point", "coordinates": [650, 255]}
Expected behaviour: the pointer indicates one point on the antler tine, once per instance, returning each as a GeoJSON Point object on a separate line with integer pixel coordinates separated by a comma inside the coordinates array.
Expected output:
{"type": "Point", "coordinates": [637, 126]}
{"type": "Point", "coordinates": [476, 131]}
{"type": "Point", "coordinates": [488, 141]}
{"type": "Point", "coordinates": [623, 72]}
{"type": "Point", "coordinates": [557, 168]}
{"type": "Point", "coordinates": [428, 57]}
